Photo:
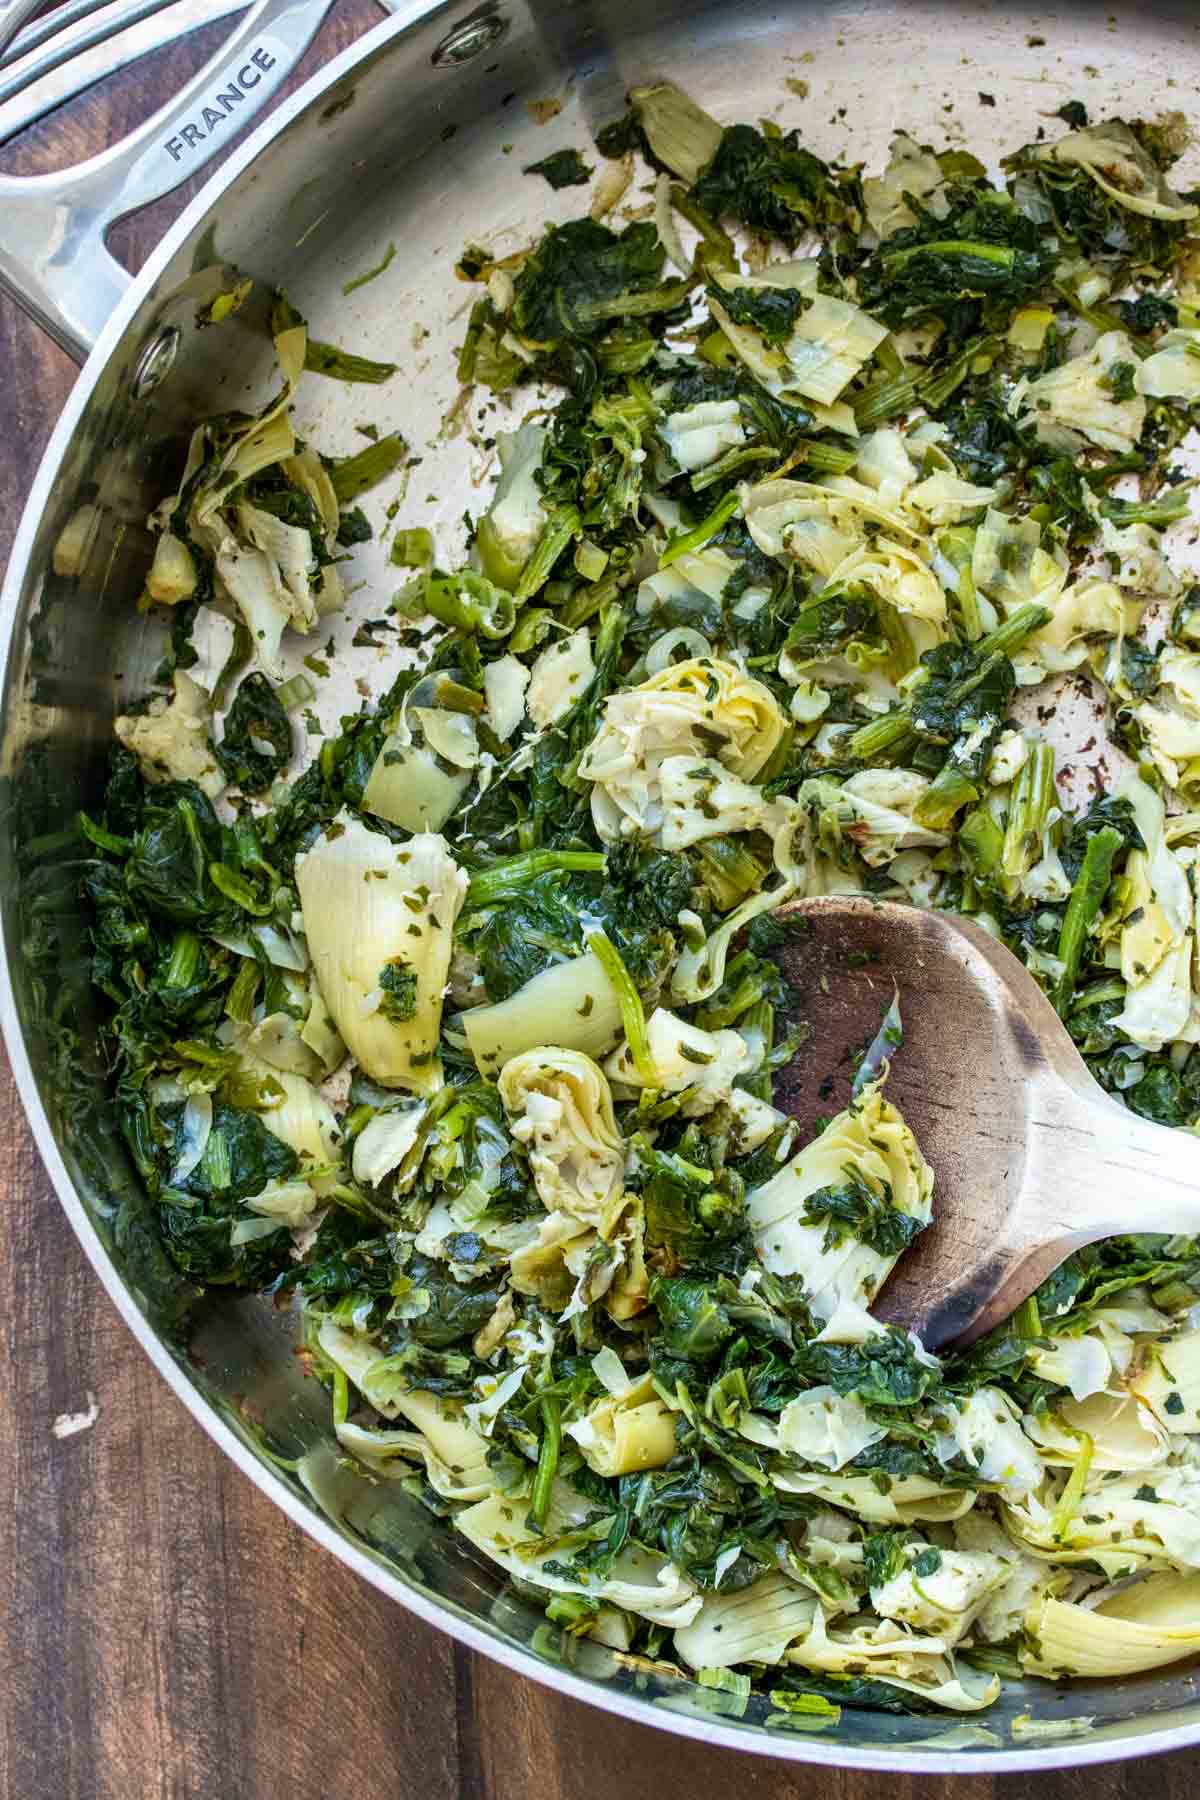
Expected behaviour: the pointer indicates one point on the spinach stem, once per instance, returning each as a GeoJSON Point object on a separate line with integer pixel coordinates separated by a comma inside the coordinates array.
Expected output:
{"type": "Point", "coordinates": [547, 1463]}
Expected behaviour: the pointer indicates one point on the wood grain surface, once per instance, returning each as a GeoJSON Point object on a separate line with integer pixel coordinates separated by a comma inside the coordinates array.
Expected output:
{"type": "Point", "coordinates": [165, 1633]}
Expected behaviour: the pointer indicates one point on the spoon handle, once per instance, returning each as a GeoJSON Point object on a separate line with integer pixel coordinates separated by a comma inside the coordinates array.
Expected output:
{"type": "Point", "coordinates": [1087, 1168]}
{"type": "Point", "coordinates": [1106, 1171]}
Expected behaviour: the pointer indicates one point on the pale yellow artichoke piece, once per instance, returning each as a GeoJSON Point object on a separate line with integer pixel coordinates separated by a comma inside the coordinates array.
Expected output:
{"type": "Point", "coordinates": [626, 1432]}
{"type": "Point", "coordinates": [871, 1142]}
{"type": "Point", "coordinates": [560, 1108]}
{"type": "Point", "coordinates": [376, 913]}
{"type": "Point", "coordinates": [1153, 1623]}
{"type": "Point", "coordinates": [171, 739]}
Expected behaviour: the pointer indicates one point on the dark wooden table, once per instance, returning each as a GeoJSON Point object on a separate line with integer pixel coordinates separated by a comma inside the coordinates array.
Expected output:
{"type": "Point", "coordinates": [165, 1633]}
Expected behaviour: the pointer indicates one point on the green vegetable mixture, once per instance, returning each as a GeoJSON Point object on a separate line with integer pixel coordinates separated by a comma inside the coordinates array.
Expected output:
{"type": "Point", "coordinates": [464, 1038]}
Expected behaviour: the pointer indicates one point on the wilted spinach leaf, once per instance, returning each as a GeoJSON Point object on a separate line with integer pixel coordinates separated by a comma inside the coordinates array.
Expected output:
{"type": "Point", "coordinates": [240, 1158]}
{"type": "Point", "coordinates": [771, 311]}
{"type": "Point", "coordinates": [562, 169]}
{"type": "Point", "coordinates": [771, 184]}
{"type": "Point", "coordinates": [257, 742]}
{"type": "Point", "coordinates": [577, 264]}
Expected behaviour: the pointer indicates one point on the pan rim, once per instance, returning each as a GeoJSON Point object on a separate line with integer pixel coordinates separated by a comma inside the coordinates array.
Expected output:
{"type": "Point", "coordinates": [1067, 1754]}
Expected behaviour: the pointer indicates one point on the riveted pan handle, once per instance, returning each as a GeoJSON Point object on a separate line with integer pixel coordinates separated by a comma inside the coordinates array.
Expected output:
{"type": "Point", "coordinates": [53, 256]}
{"type": "Point", "coordinates": [13, 14]}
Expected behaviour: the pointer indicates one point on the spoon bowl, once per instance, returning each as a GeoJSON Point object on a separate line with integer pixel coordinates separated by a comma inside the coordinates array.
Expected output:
{"type": "Point", "coordinates": [1031, 1158]}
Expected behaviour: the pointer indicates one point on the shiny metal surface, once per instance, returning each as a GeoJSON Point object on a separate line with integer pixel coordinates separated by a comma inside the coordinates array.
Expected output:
{"type": "Point", "coordinates": [396, 144]}
{"type": "Point", "coordinates": [52, 61]}
{"type": "Point", "coordinates": [79, 44]}
{"type": "Point", "coordinates": [13, 15]}
{"type": "Point", "coordinates": [78, 25]}
{"type": "Point", "coordinates": [53, 257]}
{"type": "Point", "coordinates": [64, 18]}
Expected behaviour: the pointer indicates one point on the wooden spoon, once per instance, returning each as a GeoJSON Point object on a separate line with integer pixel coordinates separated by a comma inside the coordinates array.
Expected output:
{"type": "Point", "coordinates": [1031, 1157]}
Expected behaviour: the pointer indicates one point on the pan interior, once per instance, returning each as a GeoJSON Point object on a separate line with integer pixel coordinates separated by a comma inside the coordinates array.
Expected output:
{"type": "Point", "coordinates": [414, 150]}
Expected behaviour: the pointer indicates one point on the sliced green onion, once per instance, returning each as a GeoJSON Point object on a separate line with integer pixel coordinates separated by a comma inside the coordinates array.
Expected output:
{"type": "Point", "coordinates": [587, 602]}
{"type": "Point", "coordinates": [184, 965]}
{"type": "Point", "coordinates": [343, 365]}
{"type": "Point", "coordinates": [958, 547]}
{"type": "Point", "coordinates": [467, 602]}
{"type": "Point", "coordinates": [239, 1002]}
{"type": "Point", "coordinates": [873, 740]}
{"type": "Point", "coordinates": [1099, 993]}
{"type": "Point", "coordinates": [534, 626]}
{"type": "Point", "coordinates": [884, 398]}
{"type": "Point", "coordinates": [296, 692]}
{"type": "Point", "coordinates": [746, 995]}
{"type": "Point", "coordinates": [412, 549]}
{"type": "Point", "coordinates": [636, 407]}
{"type": "Point", "coordinates": [353, 475]}
{"type": "Point", "coordinates": [1026, 1322]}
{"type": "Point", "coordinates": [341, 1396]}
{"type": "Point", "coordinates": [936, 387]}
{"type": "Point", "coordinates": [739, 457]}
{"type": "Point", "coordinates": [732, 868]}
{"type": "Point", "coordinates": [946, 795]}
{"type": "Point", "coordinates": [826, 457]}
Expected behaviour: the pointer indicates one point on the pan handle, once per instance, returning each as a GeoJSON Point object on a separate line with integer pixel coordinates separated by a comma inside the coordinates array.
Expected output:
{"type": "Point", "coordinates": [13, 14]}
{"type": "Point", "coordinates": [53, 257]}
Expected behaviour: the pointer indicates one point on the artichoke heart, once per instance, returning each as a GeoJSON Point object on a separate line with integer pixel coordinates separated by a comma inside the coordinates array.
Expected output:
{"type": "Point", "coordinates": [626, 1432]}
{"type": "Point", "coordinates": [703, 707]}
{"type": "Point", "coordinates": [560, 1107]}
{"type": "Point", "coordinates": [171, 738]}
{"type": "Point", "coordinates": [839, 1214]}
{"type": "Point", "coordinates": [379, 919]}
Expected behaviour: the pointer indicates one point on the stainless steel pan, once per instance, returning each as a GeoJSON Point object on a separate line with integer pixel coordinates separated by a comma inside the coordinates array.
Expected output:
{"type": "Point", "coordinates": [414, 137]}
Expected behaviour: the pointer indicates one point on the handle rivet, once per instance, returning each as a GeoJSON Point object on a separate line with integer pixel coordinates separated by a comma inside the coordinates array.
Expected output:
{"type": "Point", "coordinates": [156, 361]}
{"type": "Point", "coordinates": [468, 38]}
